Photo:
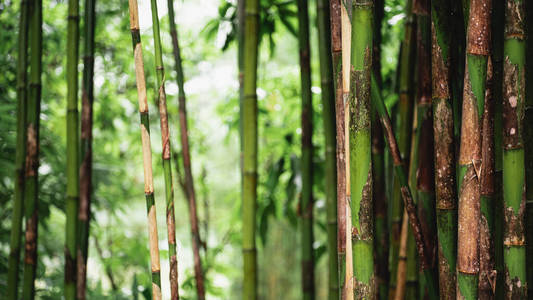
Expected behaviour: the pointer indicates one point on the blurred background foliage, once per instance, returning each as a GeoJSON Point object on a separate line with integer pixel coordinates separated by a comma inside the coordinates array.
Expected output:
{"type": "Point", "coordinates": [118, 255]}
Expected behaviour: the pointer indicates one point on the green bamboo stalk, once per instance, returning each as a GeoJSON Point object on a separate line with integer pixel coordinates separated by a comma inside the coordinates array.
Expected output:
{"type": "Point", "coordinates": [514, 252]}
{"type": "Point", "coordinates": [444, 148]}
{"type": "Point", "coordinates": [185, 149]}
{"type": "Point", "coordinates": [487, 273]}
{"type": "Point", "coordinates": [306, 200]}
{"type": "Point", "coordinates": [360, 150]}
{"type": "Point", "coordinates": [470, 156]}
{"type": "Point", "coordinates": [328, 116]}
{"type": "Point", "coordinates": [165, 141]}
{"type": "Point", "coordinates": [410, 207]}
{"type": "Point", "coordinates": [249, 144]}
{"type": "Point", "coordinates": [381, 240]}
{"type": "Point", "coordinates": [84, 212]}
{"type": "Point", "coordinates": [20, 156]}
{"type": "Point", "coordinates": [425, 182]}
{"type": "Point", "coordinates": [73, 180]}
{"type": "Point", "coordinates": [336, 56]}
{"type": "Point", "coordinates": [31, 192]}
{"type": "Point", "coordinates": [146, 148]}
{"type": "Point", "coordinates": [403, 130]}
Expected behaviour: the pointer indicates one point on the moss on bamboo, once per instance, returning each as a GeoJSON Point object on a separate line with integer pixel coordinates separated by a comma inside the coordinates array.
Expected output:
{"type": "Point", "coordinates": [514, 251]}
{"type": "Point", "coordinates": [146, 148]}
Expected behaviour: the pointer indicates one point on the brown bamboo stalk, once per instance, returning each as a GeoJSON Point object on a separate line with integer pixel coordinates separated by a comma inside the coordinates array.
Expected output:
{"type": "Point", "coordinates": [336, 52]}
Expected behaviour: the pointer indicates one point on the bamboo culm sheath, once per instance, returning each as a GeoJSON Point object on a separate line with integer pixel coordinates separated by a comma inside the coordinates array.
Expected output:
{"type": "Point", "coordinates": [146, 149]}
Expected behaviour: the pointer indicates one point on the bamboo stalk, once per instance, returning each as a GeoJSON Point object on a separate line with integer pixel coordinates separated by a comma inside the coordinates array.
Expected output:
{"type": "Point", "coordinates": [498, 12]}
{"type": "Point", "coordinates": [360, 150]}
{"type": "Point", "coordinates": [185, 149]}
{"type": "Point", "coordinates": [401, 274]}
{"type": "Point", "coordinates": [381, 235]}
{"type": "Point", "coordinates": [306, 200]}
{"type": "Point", "coordinates": [146, 148]}
{"type": "Point", "coordinates": [514, 252]}
{"type": "Point", "coordinates": [336, 55]}
{"type": "Point", "coordinates": [20, 156]}
{"type": "Point", "coordinates": [470, 157]}
{"type": "Point", "coordinates": [444, 148]}
{"type": "Point", "coordinates": [487, 272]}
{"type": "Point", "coordinates": [403, 131]}
{"type": "Point", "coordinates": [328, 116]}
{"type": "Point", "coordinates": [249, 144]}
{"type": "Point", "coordinates": [346, 36]}
{"type": "Point", "coordinates": [405, 190]}
{"type": "Point", "coordinates": [84, 211]}
{"type": "Point", "coordinates": [73, 188]}
{"type": "Point", "coordinates": [165, 141]}
{"type": "Point", "coordinates": [31, 193]}
{"type": "Point", "coordinates": [424, 181]}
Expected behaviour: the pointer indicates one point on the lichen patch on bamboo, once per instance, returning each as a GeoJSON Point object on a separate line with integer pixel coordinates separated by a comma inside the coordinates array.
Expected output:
{"type": "Point", "coordinates": [514, 19]}
{"type": "Point", "coordinates": [444, 155]}
{"type": "Point", "coordinates": [514, 225]}
{"type": "Point", "coordinates": [513, 112]}
{"type": "Point", "coordinates": [440, 69]}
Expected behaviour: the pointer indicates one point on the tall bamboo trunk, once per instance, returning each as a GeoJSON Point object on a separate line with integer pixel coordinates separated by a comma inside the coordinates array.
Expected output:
{"type": "Point", "coordinates": [249, 144]}
{"type": "Point", "coordinates": [487, 272]}
{"type": "Point", "coordinates": [147, 150]}
{"type": "Point", "coordinates": [328, 116]}
{"type": "Point", "coordinates": [424, 181]}
{"type": "Point", "coordinates": [498, 12]}
{"type": "Point", "coordinates": [360, 150]}
{"type": "Point", "coordinates": [306, 201]}
{"type": "Point", "coordinates": [73, 178]}
{"type": "Point", "coordinates": [84, 213]}
{"type": "Point", "coordinates": [346, 36]}
{"type": "Point", "coordinates": [165, 141]}
{"type": "Point", "coordinates": [444, 148]}
{"type": "Point", "coordinates": [470, 156]}
{"type": "Point", "coordinates": [381, 230]}
{"type": "Point", "coordinates": [31, 193]}
{"type": "Point", "coordinates": [403, 134]}
{"type": "Point", "coordinates": [410, 206]}
{"type": "Point", "coordinates": [185, 150]}
{"type": "Point", "coordinates": [514, 252]}
{"type": "Point", "coordinates": [336, 57]}
{"type": "Point", "coordinates": [20, 155]}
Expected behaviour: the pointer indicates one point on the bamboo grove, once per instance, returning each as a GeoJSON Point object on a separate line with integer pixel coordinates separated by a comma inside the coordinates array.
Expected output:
{"type": "Point", "coordinates": [427, 174]}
